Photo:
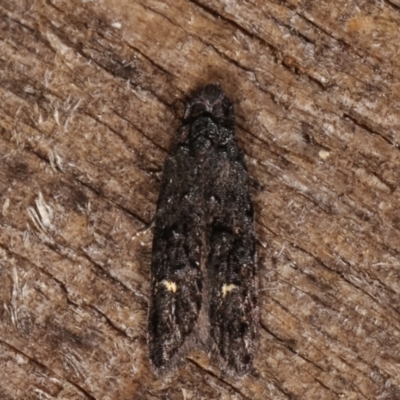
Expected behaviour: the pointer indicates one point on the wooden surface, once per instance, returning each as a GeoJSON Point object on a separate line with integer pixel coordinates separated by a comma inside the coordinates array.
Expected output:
{"type": "Point", "coordinates": [91, 93]}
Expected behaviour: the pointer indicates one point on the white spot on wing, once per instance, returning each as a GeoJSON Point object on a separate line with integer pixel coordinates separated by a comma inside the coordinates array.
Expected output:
{"type": "Point", "coordinates": [170, 286]}
{"type": "Point", "coordinates": [227, 288]}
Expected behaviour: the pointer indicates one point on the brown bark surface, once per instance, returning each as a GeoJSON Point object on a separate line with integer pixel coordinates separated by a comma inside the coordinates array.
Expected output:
{"type": "Point", "coordinates": [91, 93]}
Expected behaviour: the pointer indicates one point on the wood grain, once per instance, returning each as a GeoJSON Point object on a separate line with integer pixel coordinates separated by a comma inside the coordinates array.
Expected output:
{"type": "Point", "coordinates": [91, 94]}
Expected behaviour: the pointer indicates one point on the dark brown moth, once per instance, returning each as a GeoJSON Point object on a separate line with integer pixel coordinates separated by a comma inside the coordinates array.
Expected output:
{"type": "Point", "coordinates": [203, 270]}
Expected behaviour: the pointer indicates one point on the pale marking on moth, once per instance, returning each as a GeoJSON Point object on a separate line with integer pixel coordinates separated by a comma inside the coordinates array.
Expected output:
{"type": "Point", "coordinates": [170, 286]}
{"type": "Point", "coordinates": [228, 288]}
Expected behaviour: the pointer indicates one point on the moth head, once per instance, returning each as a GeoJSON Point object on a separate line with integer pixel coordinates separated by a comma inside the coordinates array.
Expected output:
{"type": "Point", "coordinates": [211, 101]}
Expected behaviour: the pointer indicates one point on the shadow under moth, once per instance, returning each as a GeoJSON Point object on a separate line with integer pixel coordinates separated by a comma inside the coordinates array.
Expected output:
{"type": "Point", "coordinates": [203, 269]}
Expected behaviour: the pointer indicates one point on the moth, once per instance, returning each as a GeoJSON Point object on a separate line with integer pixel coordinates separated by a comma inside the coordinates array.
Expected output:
{"type": "Point", "coordinates": [203, 268]}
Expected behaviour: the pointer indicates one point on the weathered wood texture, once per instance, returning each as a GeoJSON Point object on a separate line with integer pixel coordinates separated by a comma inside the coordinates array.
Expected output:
{"type": "Point", "coordinates": [90, 96]}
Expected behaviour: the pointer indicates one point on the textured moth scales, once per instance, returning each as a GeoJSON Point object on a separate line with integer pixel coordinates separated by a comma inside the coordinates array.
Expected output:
{"type": "Point", "coordinates": [203, 269]}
